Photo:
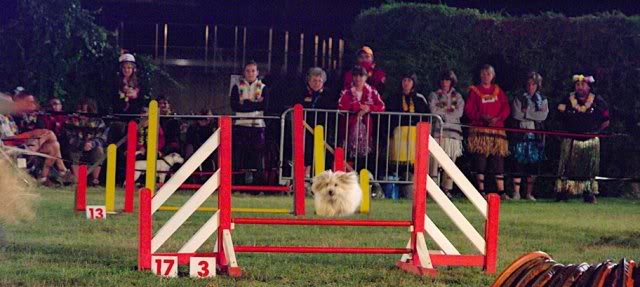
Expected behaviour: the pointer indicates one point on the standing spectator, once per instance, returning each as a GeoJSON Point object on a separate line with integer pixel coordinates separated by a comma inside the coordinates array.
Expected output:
{"type": "Point", "coordinates": [488, 106]}
{"type": "Point", "coordinates": [249, 99]}
{"type": "Point", "coordinates": [403, 126]}
{"type": "Point", "coordinates": [449, 105]}
{"type": "Point", "coordinates": [582, 112]}
{"type": "Point", "coordinates": [529, 112]}
{"type": "Point", "coordinates": [375, 75]}
{"type": "Point", "coordinates": [86, 136]}
{"type": "Point", "coordinates": [129, 100]}
{"type": "Point", "coordinates": [360, 99]}
{"type": "Point", "coordinates": [315, 96]}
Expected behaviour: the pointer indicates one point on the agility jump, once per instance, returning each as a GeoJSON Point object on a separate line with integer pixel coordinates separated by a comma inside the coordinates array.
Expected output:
{"type": "Point", "coordinates": [416, 257]}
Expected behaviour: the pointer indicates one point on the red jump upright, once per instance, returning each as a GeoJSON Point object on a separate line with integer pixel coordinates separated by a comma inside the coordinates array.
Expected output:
{"type": "Point", "coordinates": [132, 140]}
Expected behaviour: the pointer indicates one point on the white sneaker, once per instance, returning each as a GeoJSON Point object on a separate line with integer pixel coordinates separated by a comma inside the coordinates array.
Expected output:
{"type": "Point", "coordinates": [516, 196]}
{"type": "Point", "coordinates": [530, 197]}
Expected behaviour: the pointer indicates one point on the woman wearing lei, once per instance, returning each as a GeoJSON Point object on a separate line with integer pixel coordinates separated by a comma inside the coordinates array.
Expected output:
{"type": "Point", "coordinates": [447, 103]}
{"type": "Point", "coordinates": [487, 108]}
{"type": "Point", "coordinates": [249, 99]}
{"type": "Point", "coordinates": [582, 112]}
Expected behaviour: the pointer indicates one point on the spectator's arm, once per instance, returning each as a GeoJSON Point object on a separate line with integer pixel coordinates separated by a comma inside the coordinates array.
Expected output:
{"type": "Point", "coordinates": [505, 109]}
{"type": "Point", "coordinates": [471, 108]}
{"type": "Point", "coordinates": [378, 104]}
{"type": "Point", "coordinates": [346, 103]}
{"type": "Point", "coordinates": [459, 109]}
{"type": "Point", "coordinates": [516, 108]}
{"type": "Point", "coordinates": [433, 105]}
{"type": "Point", "coordinates": [422, 107]}
{"type": "Point", "coordinates": [540, 115]}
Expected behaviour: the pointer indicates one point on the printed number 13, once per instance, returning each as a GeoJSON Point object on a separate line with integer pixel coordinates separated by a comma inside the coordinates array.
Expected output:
{"type": "Point", "coordinates": [96, 213]}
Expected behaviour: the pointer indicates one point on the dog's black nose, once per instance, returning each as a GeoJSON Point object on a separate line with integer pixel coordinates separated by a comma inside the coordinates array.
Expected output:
{"type": "Point", "coordinates": [330, 192]}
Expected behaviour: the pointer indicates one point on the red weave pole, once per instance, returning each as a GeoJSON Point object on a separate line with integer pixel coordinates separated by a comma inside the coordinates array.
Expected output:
{"type": "Point", "coordinates": [333, 222]}
{"type": "Point", "coordinates": [224, 192]}
{"type": "Point", "coordinates": [81, 189]}
{"type": "Point", "coordinates": [144, 229]}
{"type": "Point", "coordinates": [298, 161]}
{"type": "Point", "coordinates": [183, 258]}
{"type": "Point", "coordinates": [321, 249]}
{"type": "Point", "coordinates": [338, 162]}
{"type": "Point", "coordinates": [130, 185]}
{"type": "Point", "coordinates": [491, 234]}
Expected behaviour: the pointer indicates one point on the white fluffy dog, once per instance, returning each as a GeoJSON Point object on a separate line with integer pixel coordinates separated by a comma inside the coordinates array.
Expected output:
{"type": "Point", "coordinates": [163, 165]}
{"type": "Point", "coordinates": [336, 194]}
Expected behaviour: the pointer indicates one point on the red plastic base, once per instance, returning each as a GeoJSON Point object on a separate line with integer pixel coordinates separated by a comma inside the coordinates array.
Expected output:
{"type": "Point", "coordinates": [416, 270]}
{"type": "Point", "coordinates": [231, 271]}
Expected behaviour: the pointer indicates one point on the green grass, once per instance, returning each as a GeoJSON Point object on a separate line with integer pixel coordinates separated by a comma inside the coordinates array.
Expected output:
{"type": "Point", "coordinates": [61, 248]}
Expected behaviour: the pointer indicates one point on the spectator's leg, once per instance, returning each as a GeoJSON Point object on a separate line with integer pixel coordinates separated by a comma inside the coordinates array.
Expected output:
{"type": "Point", "coordinates": [93, 157]}
{"type": "Point", "coordinates": [498, 171]}
{"type": "Point", "coordinates": [530, 183]}
{"type": "Point", "coordinates": [517, 182]}
{"type": "Point", "coordinates": [480, 164]}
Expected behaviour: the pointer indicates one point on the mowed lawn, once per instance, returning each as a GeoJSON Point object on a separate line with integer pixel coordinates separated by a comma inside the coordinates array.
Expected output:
{"type": "Point", "coordinates": [61, 248]}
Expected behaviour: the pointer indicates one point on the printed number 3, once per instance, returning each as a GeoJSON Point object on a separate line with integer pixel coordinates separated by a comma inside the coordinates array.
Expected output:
{"type": "Point", "coordinates": [205, 268]}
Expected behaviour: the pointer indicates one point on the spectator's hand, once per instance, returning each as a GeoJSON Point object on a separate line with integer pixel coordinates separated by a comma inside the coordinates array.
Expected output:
{"type": "Point", "coordinates": [493, 121]}
{"type": "Point", "coordinates": [364, 108]}
{"type": "Point", "coordinates": [259, 99]}
{"type": "Point", "coordinates": [88, 146]}
{"type": "Point", "coordinates": [131, 93]}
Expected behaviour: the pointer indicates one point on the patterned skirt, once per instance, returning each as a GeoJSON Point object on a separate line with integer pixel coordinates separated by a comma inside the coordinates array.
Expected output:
{"type": "Point", "coordinates": [528, 150]}
{"type": "Point", "coordinates": [488, 142]}
{"type": "Point", "coordinates": [580, 162]}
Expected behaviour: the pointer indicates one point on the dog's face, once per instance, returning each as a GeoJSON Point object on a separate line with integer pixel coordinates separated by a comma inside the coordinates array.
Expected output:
{"type": "Point", "coordinates": [332, 185]}
{"type": "Point", "coordinates": [174, 158]}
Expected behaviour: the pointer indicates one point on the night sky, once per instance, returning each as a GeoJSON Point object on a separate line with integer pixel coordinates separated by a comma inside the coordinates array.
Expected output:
{"type": "Point", "coordinates": [295, 15]}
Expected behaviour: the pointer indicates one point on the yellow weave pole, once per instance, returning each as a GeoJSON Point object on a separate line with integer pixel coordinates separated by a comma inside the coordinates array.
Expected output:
{"type": "Point", "coordinates": [318, 149]}
{"type": "Point", "coordinates": [110, 186]}
{"type": "Point", "coordinates": [238, 210]}
{"type": "Point", "coordinates": [152, 147]}
{"type": "Point", "coordinates": [364, 186]}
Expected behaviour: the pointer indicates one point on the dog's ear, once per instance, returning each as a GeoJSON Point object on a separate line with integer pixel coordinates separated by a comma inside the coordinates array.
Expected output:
{"type": "Point", "coordinates": [346, 178]}
{"type": "Point", "coordinates": [321, 180]}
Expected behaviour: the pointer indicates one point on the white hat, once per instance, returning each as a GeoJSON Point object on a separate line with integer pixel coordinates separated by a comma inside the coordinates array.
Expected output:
{"type": "Point", "coordinates": [126, 58]}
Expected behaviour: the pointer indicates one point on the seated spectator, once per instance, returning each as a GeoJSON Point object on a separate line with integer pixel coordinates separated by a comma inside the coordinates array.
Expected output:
{"type": "Point", "coordinates": [55, 120]}
{"type": "Point", "coordinates": [86, 138]}
{"type": "Point", "coordinates": [39, 140]}
{"type": "Point", "coordinates": [170, 126]}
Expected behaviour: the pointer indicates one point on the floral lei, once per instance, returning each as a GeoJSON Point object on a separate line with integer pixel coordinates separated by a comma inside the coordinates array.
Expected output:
{"type": "Point", "coordinates": [244, 90]}
{"type": "Point", "coordinates": [442, 99]}
{"type": "Point", "coordinates": [581, 108]}
{"type": "Point", "coordinates": [411, 107]}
